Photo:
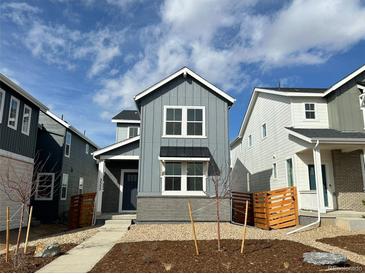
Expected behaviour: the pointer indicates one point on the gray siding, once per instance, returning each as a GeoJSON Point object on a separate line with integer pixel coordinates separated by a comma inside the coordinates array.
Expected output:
{"type": "Point", "coordinates": [13, 140]}
{"type": "Point", "coordinates": [131, 149]}
{"type": "Point", "coordinates": [344, 111]}
{"type": "Point", "coordinates": [182, 92]}
{"type": "Point", "coordinates": [122, 131]}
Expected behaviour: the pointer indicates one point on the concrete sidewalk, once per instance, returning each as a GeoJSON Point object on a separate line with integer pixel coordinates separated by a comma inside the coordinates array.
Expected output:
{"type": "Point", "coordinates": [83, 257]}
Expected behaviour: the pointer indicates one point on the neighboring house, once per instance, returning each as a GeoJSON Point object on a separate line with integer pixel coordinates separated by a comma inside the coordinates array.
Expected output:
{"type": "Point", "coordinates": [19, 113]}
{"type": "Point", "coordinates": [313, 139]}
{"type": "Point", "coordinates": [70, 168]}
{"type": "Point", "coordinates": [182, 141]}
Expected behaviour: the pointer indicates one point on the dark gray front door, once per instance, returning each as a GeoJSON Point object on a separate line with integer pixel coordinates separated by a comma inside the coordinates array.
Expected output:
{"type": "Point", "coordinates": [312, 181]}
{"type": "Point", "coordinates": [130, 181]}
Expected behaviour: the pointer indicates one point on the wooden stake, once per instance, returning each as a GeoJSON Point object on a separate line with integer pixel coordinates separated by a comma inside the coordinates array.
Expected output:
{"type": "Point", "coordinates": [20, 229]}
{"type": "Point", "coordinates": [28, 228]}
{"type": "Point", "coordinates": [244, 228]}
{"type": "Point", "coordinates": [7, 234]}
{"type": "Point", "coordinates": [193, 226]}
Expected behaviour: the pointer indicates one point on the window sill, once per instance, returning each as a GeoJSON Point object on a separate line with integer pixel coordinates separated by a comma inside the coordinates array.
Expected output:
{"type": "Point", "coordinates": [183, 137]}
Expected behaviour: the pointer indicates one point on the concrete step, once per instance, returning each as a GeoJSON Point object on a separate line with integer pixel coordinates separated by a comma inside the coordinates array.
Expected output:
{"type": "Point", "coordinates": [117, 216]}
{"type": "Point", "coordinates": [351, 224]}
{"type": "Point", "coordinates": [118, 222]}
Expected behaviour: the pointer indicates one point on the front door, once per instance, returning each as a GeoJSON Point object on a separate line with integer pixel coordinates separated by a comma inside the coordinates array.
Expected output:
{"type": "Point", "coordinates": [312, 181]}
{"type": "Point", "coordinates": [129, 190]}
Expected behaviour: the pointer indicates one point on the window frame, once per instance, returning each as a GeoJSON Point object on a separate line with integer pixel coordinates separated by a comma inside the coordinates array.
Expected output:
{"type": "Point", "coordinates": [264, 125]}
{"type": "Point", "coordinates": [87, 149]}
{"type": "Point", "coordinates": [184, 122]}
{"type": "Point", "coordinates": [30, 119]}
{"type": "Point", "coordinates": [184, 176]}
{"type": "Point", "coordinates": [275, 171]}
{"type": "Point", "coordinates": [81, 185]}
{"type": "Point", "coordinates": [2, 104]}
{"type": "Point", "coordinates": [69, 151]}
{"type": "Point", "coordinates": [15, 127]}
{"type": "Point", "coordinates": [36, 197]}
{"type": "Point", "coordinates": [310, 111]}
{"type": "Point", "coordinates": [64, 184]}
{"type": "Point", "coordinates": [292, 171]}
{"type": "Point", "coordinates": [129, 128]}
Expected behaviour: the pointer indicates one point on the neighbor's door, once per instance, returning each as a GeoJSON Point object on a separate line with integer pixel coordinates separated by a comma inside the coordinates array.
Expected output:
{"type": "Point", "coordinates": [130, 180]}
{"type": "Point", "coordinates": [312, 181]}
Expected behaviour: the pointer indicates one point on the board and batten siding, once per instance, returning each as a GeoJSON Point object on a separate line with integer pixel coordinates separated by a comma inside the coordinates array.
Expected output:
{"type": "Point", "coordinates": [344, 107]}
{"type": "Point", "coordinates": [14, 140]}
{"type": "Point", "coordinates": [180, 92]}
{"type": "Point", "coordinates": [122, 131]}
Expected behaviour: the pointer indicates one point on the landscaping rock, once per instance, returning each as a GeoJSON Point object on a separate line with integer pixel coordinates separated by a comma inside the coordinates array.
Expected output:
{"type": "Point", "coordinates": [324, 258]}
{"type": "Point", "coordinates": [47, 250]}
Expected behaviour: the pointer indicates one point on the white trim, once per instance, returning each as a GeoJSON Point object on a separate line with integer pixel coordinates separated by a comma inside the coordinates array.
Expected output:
{"type": "Point", "coordinates": [81, 185]}
{"type": "Point", "coordinates": [16, 156]}
{"type": "Point", "coordinates": [64, 184]}
{"type": "Point", "coordinates": [186, 159]}
{"type": "Point", "coordinates": [120, 206]}
{"type": "Point", "coordinates": [2, 104]}
{"type": "Point", "coordinates": [87, 149]}
{"type": "Point", "coordinates": [122, 121]}
{"type": "Point", "coordinates": [69, 151]}
{"type": "Point", "coordinates": [362, 160]}
{"type": "Point", "coordinates": [26, 132]}
{"type": "Point", "coordinates": [100, 186]}
{"type": "Point", "coordinates": [362, 87]}
{"type": "Point", "coordinates": [275, 170]}
{"type": "Point", "coordinates": [185, 71]}
{"type": "Point", "coordinates": [290, 93]}
{"type": "Point", "coordinates": [119, 157]}
{"type": "Point", "coordinates": [52, 187]}
{"type": "Point", "coordinates": [293, 174]}
{"type": "Point", "coordinates": [12, 98]}
{"type": "Point", "coordinates": [128, 133]}
{"type": "Point", "coordinates": [262, 131]}
{"type": "Point", "coordinates": [114, 146]}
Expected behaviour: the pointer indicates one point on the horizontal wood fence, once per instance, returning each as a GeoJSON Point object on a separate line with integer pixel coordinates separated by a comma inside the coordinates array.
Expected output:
{"type": "Point", "coordinates": [276, 209]}
{"type": "Point", "coordinates": [239, 207]}
{"type": "Point", "coordinates": [81, 210]}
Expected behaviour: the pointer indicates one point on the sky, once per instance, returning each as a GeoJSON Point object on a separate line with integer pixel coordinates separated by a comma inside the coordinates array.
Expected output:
{"type": "Point", "coordinates": [86, 59]}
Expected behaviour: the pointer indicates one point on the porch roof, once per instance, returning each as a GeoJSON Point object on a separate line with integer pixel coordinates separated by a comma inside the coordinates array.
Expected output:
{"type": "Point", "coordinates": [327, 135]}
{"type": "Point", "coordinates": [184, 152]}
{"type": "Point", "coordinates": [115, 149]}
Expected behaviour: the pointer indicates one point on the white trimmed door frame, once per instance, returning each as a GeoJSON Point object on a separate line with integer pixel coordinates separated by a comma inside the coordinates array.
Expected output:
{"type": "Point", "coordinates": [123, 171]}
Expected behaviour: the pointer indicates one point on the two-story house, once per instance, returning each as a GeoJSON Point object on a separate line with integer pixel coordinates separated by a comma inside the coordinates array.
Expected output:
{"type": "Point", "coordinates": [19, 113]}
{"type": "Point", "coordinates": [69, 167]}
{"type": "Point", "coordinates": [167, 152]}
{"type": "Point", "coordinates": [310, 138]}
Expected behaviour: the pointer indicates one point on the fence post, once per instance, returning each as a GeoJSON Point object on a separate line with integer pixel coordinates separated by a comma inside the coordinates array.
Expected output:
{"type": "Point", "coordinates": [267, 213]}
{"type": "Point", "coordinates": [294, 189]}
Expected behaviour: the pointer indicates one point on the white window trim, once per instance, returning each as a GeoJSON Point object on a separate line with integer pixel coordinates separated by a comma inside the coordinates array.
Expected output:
{"type": "Point", "coordinates": [315, 111]}
{"type": "Point", "coordinates": [2, 104]}
{"type": "Point", "coordinates": [36, 197]}
{"type": "Point", "coordinates": [184, 182]}
{"type": "Point", "coordinates": [286, 166]}
{"type": "Point", "coordinates": [275, 171]}
{"type": "Point", "coordinates": [184, 122]}
{"type": "Point", "coordinates": [81, 186]}
{"type": "Point", "coordinates": [12, 98]}
{"type": "Point", "coordinates": [30, 119]}
{"type": "Point", "coordinates": [87, 149]}
{"type": "Point", "coordinates": [64, 184]}
{"type": "Point", "coordinates": [138, 131]}
{"type": "Point", "coordinates": [262, 131]}
{"type": "Point", "coordinates": [69, 151]}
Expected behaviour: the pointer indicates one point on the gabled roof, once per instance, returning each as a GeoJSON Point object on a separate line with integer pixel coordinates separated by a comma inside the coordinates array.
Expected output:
{"type": "Point", "coordinates": [22, 92]}
{"type": "Point", "coordinates": [127, 116]}
{"type": "Point", "coordinates": [70, 127]}
{"type": "Point", "coordinates": [184, 71]}
{"type": "Point", "coordinates": [115, 146]}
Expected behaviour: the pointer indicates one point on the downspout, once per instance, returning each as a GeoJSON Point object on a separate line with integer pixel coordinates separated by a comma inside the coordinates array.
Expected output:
{"type": "Point", "coordinates": [318, 221]}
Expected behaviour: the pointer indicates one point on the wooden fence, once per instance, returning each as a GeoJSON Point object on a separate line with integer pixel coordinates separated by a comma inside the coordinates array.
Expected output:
{"type": "Point", "coordinates": [276, 209]}
{"type": "Point", "coordinates": [81, 210]}
{"type": "Point", "coordinates": [239, 207]}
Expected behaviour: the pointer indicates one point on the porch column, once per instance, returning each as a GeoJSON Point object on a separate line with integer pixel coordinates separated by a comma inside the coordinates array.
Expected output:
{"type": "Point", "coordinates": [319, 178]}
{"type": "Point", "coordinates": [100, 186]}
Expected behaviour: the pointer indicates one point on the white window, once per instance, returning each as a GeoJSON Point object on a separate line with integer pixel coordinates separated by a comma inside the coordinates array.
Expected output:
{"type": "Point", "coordinates": [81, 185]}
{"type": "Point", "coordinates": [250, 141]}
{"type": "Point", "coordinates": [133, 132]}
{"type": "Point", "coordinates": [27, 115]}
{"type": "Point", "coordinates": [184, 178]}
{"type": "Point", "coordinates": [68, 144]}
{"type": "Point", "coordinates": [263, 131]}
{"type": "Point", "coordinates": [13, 113]}
{"type": "Point", "coordinates": [87, 148]}
{"type": "Point", "coordinates": [310, 112]}
{"type": "Point", "coordinates": [274, 171]}
{"type": "Point", "coordinates": [45, 185]}
{"type": "Point", "coordinates": [2, 102]}
{"type": "Point", "coordinates": [184, 121]}
{"type": "Point", "coordinates": [64, 187]}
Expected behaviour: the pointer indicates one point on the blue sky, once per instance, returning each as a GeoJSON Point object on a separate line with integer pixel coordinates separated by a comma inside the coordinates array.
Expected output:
{"type": "Point", "coordinates": [86, 59]}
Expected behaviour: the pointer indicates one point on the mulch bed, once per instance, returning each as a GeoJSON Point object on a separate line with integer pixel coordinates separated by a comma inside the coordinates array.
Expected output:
{"type": "Point", "coordinates": [353, 243]}
{"type": "Point", "coordinates": [179, 256]}
{"type": "Point", "coordinates": [29, 264]}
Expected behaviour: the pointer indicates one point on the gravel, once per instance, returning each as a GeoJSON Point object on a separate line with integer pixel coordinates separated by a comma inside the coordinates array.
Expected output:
{"type": "Point", "coordinates": [207, 231]}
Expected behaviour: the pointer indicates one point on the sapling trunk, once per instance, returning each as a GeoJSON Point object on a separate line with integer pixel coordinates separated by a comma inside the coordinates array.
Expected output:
{"type": "Point", "coordinates": [19, 230]}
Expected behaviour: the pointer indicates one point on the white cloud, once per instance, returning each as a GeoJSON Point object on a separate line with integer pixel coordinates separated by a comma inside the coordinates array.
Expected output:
{"type": "Point", "coordinates": [18, 12]}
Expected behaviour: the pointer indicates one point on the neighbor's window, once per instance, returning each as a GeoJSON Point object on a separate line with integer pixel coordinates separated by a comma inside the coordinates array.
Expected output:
{"type": "Point", "coordinates": [132, 132]}
{"type": "Point", "coordinates": [87, 148]}
{"type": "Point", "coordinates": [27, 115]}
{"type": "Point", "coordinates": [310, 112]}
{"type": "Point", "coordinates": [250, 141]}
{"type": "Point", "coordinates": [195, 122]}
{"type": "Point", "coordinates": [195, 176]}
{"type": "Point", "coordinates": [263, 131]}
{"type": "Point", "coordinates": [81, 185]}
{"type": "Point", "coordinates": [2, 102]}
{"type": "Point", "coordinates": [173, 121]}
{"type": "Point", "coordinates": [68, 144]}
{"type": "Point", "coordinates": [44, 189]}
{"type": "Point", "coordinates": [274, 171]}
{"type": "Point", "coordinates": [13, 113]}
{"type": "Point", "coordinates": [172, 176]}
{"type": "Point", "coordinates": [64, 187]}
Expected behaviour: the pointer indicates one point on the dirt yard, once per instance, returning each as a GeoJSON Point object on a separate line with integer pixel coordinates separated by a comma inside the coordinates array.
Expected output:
{"type": "Point", "coordinates": [29, 264]}
{"type": "Point", "coordinates": [179, 256]}
{"type": "Point", "coordinates": [354, 243]}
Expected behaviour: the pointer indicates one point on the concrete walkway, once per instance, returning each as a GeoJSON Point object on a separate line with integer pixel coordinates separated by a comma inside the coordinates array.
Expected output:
{"type": "Point", "coordinates": [83, 257]}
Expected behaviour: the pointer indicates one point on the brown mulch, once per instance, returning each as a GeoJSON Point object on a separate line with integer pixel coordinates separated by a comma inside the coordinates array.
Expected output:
{"type": "Point", "coordinates": [353, 243]}
{"type": "Point", "coordinates": [27, 263]}
{"type": "Point", "coordinates": [179, 256]}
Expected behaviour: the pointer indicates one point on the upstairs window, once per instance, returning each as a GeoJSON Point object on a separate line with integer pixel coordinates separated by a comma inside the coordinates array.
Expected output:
{"type": "Point", "coordinates": [173, 121]}
{"type": "Point", "coordinates": [2, 102]}
{"type": "Point", "coordinates": [13, 113]}
{"type": "Point", "coordinates": [250, 141]}
{"type": "Point", "coordinates": [263, 131]}
{"type": "Point", "coordinates": [64, 187]}
{"type": "Point", "coordinates": [310, 112]}
{"type": "Point", "coordinates": [195, 122]}
{"type": "Point", "coordinates": [68, 144]}
{"type": "Point", "coordinates": [87, 148]}
{"type": "Point", "coordinates": [133, 132]}
{"type": "Point", "coordinates": [27, 115]}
